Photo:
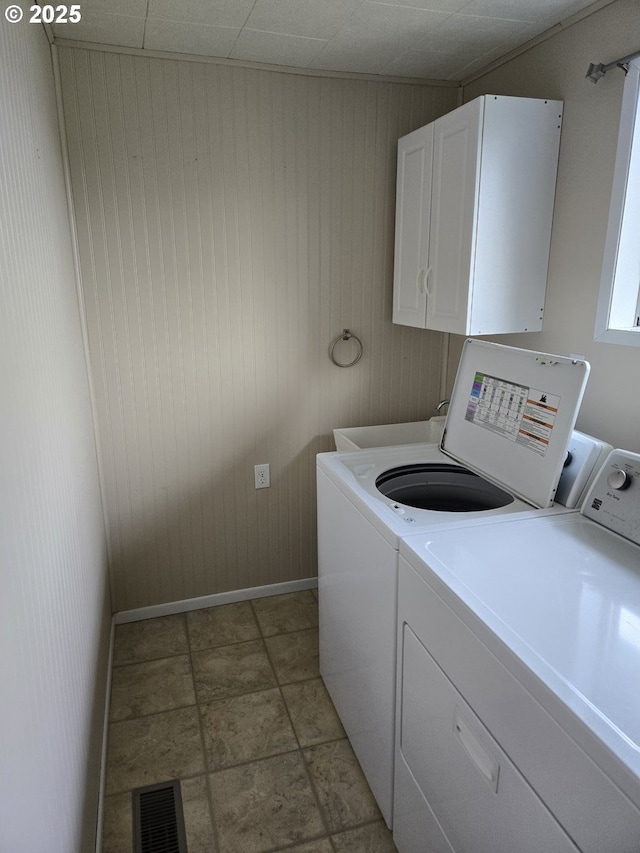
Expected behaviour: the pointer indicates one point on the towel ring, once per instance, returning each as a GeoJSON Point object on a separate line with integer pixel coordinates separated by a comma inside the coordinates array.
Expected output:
{"type": "Point", "coordinates": [345, 336]}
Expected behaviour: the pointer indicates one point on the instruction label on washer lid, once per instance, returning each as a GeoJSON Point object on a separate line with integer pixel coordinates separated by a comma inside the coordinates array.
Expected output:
{"type": "Point", "coordinates": [517, 413]}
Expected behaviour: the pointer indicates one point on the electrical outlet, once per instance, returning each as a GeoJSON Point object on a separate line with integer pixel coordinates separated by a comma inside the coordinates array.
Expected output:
{"type": "Point", "coordinates": [261, 476]}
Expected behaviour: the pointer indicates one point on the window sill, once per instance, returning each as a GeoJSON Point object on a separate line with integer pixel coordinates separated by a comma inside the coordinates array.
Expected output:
{"type": "Point", "coordinates": [625, 337]}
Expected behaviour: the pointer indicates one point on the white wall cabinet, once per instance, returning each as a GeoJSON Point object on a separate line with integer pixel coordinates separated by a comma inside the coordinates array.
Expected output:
{"type": "Point", "coordinates": [474, 208]}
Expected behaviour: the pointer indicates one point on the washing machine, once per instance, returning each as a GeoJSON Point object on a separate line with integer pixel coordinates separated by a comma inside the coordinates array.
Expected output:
{"type": "Point", "coordinates": [519, 680]}
{"type": "Point", "coordinates": [509, 423]}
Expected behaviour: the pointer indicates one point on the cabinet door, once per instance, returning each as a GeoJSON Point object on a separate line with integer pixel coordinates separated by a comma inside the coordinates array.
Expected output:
{"type": "Point", "coordinates": [413, 198]}
{"type": "Point", "coordinates": [456, 169]}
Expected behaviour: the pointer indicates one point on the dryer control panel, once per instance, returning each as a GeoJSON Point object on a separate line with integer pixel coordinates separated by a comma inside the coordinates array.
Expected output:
{"type": "Point", "coordinates": [614, 499]}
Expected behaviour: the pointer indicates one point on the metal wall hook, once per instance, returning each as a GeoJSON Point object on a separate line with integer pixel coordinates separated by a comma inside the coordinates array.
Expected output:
{"type": "Point", "coordinates": [345, 336]}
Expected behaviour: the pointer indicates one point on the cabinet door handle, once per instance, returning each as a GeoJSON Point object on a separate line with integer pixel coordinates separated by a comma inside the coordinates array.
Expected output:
{"type": "Point", "coordinates": [422, 281]}
{"type": "Point", "coordinates": [427, 279]}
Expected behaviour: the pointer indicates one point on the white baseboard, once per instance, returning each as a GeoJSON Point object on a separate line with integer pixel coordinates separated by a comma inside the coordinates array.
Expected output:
{"type": "Point", "coordinates": [105, 741]}
{"type": "Point", "coordinates": [187, 604]}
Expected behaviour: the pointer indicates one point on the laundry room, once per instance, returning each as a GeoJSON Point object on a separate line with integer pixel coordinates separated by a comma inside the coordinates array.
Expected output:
{"type": "Point", "coordinates": [197, 284]}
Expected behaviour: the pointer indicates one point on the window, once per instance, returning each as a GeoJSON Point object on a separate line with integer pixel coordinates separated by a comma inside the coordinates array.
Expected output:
{"type": "Point", "coordinates": [618, 315]}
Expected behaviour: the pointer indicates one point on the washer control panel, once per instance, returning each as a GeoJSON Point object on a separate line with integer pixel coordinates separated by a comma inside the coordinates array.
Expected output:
{"type": "Point", "coordinates": [614, 498]}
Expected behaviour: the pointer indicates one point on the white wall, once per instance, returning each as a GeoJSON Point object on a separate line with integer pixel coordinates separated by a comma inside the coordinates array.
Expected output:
{"type": "Point", "coordinates": [54, 609]}
{"type": "Point", "coordinates": [556, 69]}
{"type": "Point", "coordinates": [232, 221]}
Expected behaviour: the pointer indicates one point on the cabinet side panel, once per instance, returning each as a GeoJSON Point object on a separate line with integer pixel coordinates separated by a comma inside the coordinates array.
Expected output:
{"type": "Point", "coordinates": [453, 215]}
{"type": "Point", "coordinates": [517, 187]}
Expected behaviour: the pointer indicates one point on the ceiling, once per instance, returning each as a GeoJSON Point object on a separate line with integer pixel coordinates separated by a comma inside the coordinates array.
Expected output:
{"type": "Point", "coordinates": [433, 39]}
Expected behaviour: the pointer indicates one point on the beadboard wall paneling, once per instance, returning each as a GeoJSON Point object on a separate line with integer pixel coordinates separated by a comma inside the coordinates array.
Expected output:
{"type": "Point", "coordinates": [54, 605]}
{"type": "Point", "coordinates": [232, 222]}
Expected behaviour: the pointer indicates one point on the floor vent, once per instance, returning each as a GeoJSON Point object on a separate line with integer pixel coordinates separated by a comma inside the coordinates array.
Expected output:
{"type": "Point", "coordinates": [158, 820]}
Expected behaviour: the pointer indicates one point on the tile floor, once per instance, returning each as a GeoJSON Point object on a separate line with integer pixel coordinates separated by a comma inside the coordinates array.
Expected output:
{"type": "Point", "coordinates": [229, 701]}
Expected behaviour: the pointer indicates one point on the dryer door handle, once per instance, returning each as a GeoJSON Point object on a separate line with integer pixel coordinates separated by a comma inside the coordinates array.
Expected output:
{"type": "Point", "coordinates": [484, 761]}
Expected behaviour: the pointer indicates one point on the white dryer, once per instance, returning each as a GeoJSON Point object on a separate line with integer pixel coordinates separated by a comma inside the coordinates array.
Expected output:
{"type": "Point", "coordinates": [518, 724]}
{"type": "Point", "coordinates": [510, 420]}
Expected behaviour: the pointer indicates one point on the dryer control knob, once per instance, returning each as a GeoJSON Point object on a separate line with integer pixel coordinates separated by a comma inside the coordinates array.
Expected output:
{"type": "Point", "coordinates": [619, 479]}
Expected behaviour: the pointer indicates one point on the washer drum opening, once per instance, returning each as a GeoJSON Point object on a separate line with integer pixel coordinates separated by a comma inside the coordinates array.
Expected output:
{"type": "Point", "coordinates": [441, 488]}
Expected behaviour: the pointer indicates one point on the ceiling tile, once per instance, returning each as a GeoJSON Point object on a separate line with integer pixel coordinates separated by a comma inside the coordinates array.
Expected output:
{"type": "Point", "coordinates": [218, 13]}
{"type": "Point", "coordinates": [302, 17]}
{"type": "Point", "coordinates": [378, 26]}
{"type": "Point", "coordinates": [181, 37]}
{"type": "Point", "coordinates": [276, 48]}
{"type": "Point", "coordinates": [430, 64]}
{"type": "Point", "coordinates": [528, 32]}
{"type": "Point", "coordinates": [376, 35]}
{"type": "Point", "coordinates": [344, 53]}
{"type": "Point", "coordinates": [471, 34]}
{"type": "Point", "coordinates": [552, 11]}
{"type": "Point", "coordinates": [449, 6]}
{"type": "Point", "coordinates": [131, 8]}
{"type": "Point", "coordinates": [465, 70]}
{"type": "Point", "coordinates": [103, 28]}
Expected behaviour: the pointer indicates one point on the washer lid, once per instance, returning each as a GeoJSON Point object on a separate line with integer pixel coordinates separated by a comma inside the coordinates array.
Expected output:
{"type": "Point", "coordinates": [511, 415]}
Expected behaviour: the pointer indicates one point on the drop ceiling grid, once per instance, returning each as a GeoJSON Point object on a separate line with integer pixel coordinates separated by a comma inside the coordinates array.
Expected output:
{"type": "Point", "coordinates": [436, 39]}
